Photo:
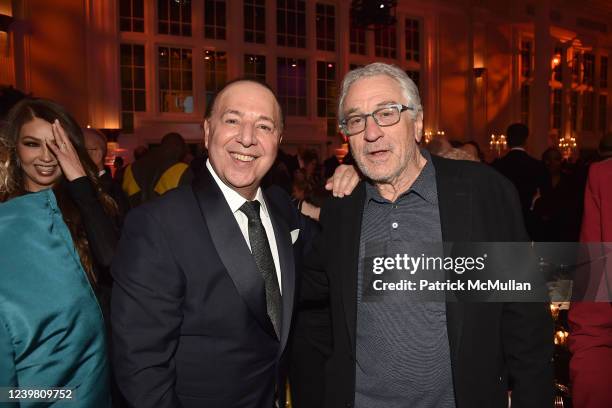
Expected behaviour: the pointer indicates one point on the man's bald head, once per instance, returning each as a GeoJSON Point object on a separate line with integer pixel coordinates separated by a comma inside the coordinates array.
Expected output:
{"type": "Point", "coordinates": [211, 106]}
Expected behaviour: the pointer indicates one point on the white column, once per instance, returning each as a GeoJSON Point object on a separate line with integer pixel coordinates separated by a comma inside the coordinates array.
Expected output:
{"type": "Point", "coordinates": [103, 64]}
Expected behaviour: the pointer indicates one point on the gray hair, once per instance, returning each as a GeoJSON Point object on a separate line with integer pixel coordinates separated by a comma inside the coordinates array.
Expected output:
{"type": "Point", "coordinates": [409, 89]}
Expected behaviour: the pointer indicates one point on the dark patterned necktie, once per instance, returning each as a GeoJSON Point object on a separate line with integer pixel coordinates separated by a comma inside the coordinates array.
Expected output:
{"type": "Point", "coordinates": [260, 247]}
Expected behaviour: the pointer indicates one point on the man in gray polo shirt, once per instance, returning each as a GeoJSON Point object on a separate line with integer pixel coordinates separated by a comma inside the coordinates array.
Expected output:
{"type": "Point", "coordinates": [395, 352]}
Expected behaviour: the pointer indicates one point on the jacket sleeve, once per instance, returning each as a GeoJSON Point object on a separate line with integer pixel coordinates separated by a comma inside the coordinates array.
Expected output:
{"type": "Point", "coordinates": [314, 286]}
{"type": "Point", "coordinates": [99, 226]}
{"type": "Point", "coordinates": [146, 313]}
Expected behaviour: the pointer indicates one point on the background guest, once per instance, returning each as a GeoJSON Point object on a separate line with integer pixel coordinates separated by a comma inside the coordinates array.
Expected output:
{"type": "Point", "coordinates": [95, 142]}
{"type": "Point", "coordinates": [528, 175]}
{"type": "Point", "coordinates": [559, 210]}
{"type": "Point", "coordinates": [158, 172]}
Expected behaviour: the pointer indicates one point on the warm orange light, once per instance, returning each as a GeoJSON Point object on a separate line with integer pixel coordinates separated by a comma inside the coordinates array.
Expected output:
{"type": "Point", "coordinates": [556, 61]}
{"type": "Point", "coordinates": [561, 337]}
{"type": "Point", "coordinates": [5, 8]}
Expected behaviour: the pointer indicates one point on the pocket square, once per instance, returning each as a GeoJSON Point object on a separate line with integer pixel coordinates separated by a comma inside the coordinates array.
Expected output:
{"type": "Point", "coordinates": [294, 235]}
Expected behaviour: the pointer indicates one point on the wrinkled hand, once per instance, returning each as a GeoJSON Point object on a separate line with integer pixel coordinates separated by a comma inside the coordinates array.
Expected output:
{"type": "Point", "coordinates": [344, 180]}
{"type": "Point", "coordinates": [66, 154]}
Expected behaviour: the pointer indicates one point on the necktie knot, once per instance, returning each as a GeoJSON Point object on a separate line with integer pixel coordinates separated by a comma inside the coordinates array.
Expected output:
{"type": "Point", "coordinates": [251, 210]}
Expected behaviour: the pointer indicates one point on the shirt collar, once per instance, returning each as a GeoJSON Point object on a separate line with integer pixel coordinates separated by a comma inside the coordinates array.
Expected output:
{"type": "Point", "coordinates": [233, 198]}
{"type": "Point", "coordinates": [424, 185]}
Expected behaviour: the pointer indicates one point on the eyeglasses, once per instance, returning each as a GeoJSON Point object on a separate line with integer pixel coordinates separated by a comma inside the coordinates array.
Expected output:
{"type": "Point", "coordinates": [387, 116]}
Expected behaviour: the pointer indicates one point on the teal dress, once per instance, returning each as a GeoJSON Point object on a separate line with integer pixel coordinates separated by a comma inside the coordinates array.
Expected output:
{"type": "Point", "coordinates": [51, 326]}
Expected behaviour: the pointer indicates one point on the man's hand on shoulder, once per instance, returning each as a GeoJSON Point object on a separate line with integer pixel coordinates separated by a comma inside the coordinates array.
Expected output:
{"type": "Point", "coordinates": [343, 182]}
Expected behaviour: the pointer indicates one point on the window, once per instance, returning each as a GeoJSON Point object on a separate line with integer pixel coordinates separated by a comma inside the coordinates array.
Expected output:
{"type": "Point", "coordinates": [525, 104]}
{"type": "Point", "coordinates": [215, 73]}
{"type": "Point", "coordinates": [385, 42]}
{"type": "Point", "coordinates": [413, 40]}
{"type": "Point", "coordinates": [291, 76]}
{"type": "Point", "coordinates": [557, 99]}
{"type": "Point", "coordinates": [291, 23]}
{"type": "Point", "coordinates": [603, 72]}
{"type": "Point", "coordinates": [255, 21]}
{"type": "Point", "coordinates": [526, 58]}
{"type": "Point", "coordinates": [355, 66]}
{"type": "Point", "coordinates": [214, 19]}
{"type": "Point", "coordinates": [588, 106]}
{"type": "Point", "coordinates": [574, 109]}
{"type": "Point", "coordinates": [577, 61]}
{"type": "Point", "coordinates": [175, 79]}
{"type": "Point", "coordinates": [589, 69]}
{"type": "Point", "coordinates": [326, 30]}
{"type": "Point", "coordinates": [174, 17]}
{"type": "Point", "coordinates": [357, 42]}
{"type": "Point", "coordinates": [603, 113]}
{"type": "Point", "coordinates": [133, 89]}
{"type": "Point", "coordinates": [255, 67]}
{"type": "Point", "coordinates": [131, 15]}
{"type": "Point", "coordinates": [327, 95]}
{"type": "Point", "coordinates": [414, 75]}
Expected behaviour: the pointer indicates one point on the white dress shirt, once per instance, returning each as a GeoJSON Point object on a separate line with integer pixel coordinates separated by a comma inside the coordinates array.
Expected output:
{"type": "Point", "coordinates": [235, 201]}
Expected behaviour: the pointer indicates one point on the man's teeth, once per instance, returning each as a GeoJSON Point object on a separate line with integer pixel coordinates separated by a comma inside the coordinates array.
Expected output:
{"type": "Point", "coordinates": [242, 157]}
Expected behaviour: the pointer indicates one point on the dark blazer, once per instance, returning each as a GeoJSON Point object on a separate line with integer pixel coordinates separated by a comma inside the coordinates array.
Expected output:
{"type": "Point", "coordinates": [526, 173]}
{"type": "Point", "coordinates": [190, 327]}
{"type": "Point", "coordinates": [493, 346]}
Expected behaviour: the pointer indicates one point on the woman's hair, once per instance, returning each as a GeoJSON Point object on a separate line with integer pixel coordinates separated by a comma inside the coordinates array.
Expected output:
{"type": "Point", "coordinates": [25, 111]}
{"type": "Point", "coordinates": [4, 162]}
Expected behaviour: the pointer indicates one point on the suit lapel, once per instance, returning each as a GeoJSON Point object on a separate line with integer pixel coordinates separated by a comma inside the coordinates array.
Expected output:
{"type": "Point", "coordinates": [287, 266]}
{"type": "Point", "coordinates": [352, 216]}
{"type": "Point", "coordinates": [454, 200]}
{"type": "Point", "coordinates": [231, 247]}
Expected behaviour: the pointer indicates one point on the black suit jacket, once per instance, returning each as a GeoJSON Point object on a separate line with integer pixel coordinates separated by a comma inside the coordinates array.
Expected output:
{"type": "Point", "coordinates": [526, 173]}
{"type": "Point", "coordinates": [493, 346]}
{"type": "Point", "coordinates": [190, 326]}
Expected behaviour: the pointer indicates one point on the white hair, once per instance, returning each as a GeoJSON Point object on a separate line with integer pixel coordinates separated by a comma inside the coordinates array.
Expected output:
{"type": "Point", "coordinates": [409, 89]}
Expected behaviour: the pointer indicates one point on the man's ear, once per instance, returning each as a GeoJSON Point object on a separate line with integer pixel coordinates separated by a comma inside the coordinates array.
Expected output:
{"type": "Point", "coordinates": [418, 126]}
{"type": "Point", "coordinates": [206, 127]}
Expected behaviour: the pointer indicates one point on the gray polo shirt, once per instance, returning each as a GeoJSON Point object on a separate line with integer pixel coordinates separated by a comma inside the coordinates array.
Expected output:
{"type": "Point", "coordinates": [403, 357]}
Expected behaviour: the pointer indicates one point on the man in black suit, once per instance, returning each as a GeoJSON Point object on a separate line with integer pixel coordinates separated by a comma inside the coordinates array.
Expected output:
{"type": "Point", "coordinates": [394, 351]}
{"type": "Point", "coordinates": [205, 276]}
{"type": "Point", "coordinates": [528, 175]}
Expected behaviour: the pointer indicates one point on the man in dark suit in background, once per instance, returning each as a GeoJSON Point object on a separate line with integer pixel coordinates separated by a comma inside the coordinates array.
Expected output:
{"type": "Point", "coordinates": [205, 276]}
{"type": "Point", "coordinates": [528, 175]}
{"type": "Point", "coordinates": [397, 351]}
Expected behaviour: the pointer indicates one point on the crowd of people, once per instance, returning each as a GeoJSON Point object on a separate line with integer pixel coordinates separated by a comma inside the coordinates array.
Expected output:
{"type": "Point", "coordinates": [213, 280]}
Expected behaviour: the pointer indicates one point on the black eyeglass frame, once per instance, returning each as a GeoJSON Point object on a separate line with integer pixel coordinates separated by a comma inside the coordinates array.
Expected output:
{"type": "Point", "coordinates": [401, 108]}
